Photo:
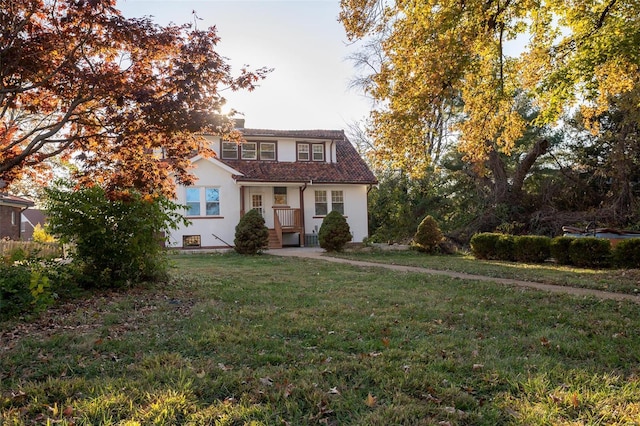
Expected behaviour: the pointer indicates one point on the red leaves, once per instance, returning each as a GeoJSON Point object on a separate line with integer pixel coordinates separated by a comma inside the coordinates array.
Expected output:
{"type": "Point", "coordinates": [99, 82]}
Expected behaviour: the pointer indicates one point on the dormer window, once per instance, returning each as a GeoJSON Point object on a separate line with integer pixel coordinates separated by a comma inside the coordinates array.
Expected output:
{"type": "Point", "coordinates": [267, 150]}
{"type": "Point", "coordinates": [318, 151]}
{"type": "Point", "coordinates": [310, 151]}
{"type": "Point", "coordinates": [303, 152]}
{"type": "Point", "coordinates": [230, 150]}
{"type": "Point", "coordinates": [249, 151]}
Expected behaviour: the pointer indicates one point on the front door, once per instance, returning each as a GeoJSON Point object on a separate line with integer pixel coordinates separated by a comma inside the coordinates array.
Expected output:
{"type": "Point", "coordinates": [256, 203]}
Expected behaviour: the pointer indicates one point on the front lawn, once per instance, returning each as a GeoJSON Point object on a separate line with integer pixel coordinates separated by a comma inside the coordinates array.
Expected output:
{"type": "Point", "coordinates": [614, 280]}
{"type": "Point", "coordinates": [265, 340]}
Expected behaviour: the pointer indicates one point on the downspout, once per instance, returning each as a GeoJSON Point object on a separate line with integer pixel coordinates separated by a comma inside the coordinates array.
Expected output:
{"type": "Point", "coordinates": [241, 200]}
{"type": "Point", "coordinates": [302, 213]}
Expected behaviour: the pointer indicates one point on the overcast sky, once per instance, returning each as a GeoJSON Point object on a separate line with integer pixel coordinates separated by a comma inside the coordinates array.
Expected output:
{"type": "Point", "coordinates": [302, 40]}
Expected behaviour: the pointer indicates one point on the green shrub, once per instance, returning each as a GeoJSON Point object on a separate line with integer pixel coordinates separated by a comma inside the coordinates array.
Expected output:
{"type": "Point", "coordinates": [505, 248]}
{"type": "Point", "coordinates": [334, 232]}
{"type": "Point", "coordinates": [626, 253]}
{"type": "Point", "coordinates": [15, 296]}
{"type": "Point", "coordinates": [531, 248]}
{"type": "Point", "coordinates": [252, 236]}
{"type": "Point", "coordinates": [428, 235]}
{"type": "Point", "coordinates": [483, 245]}
{"type": "Point", "coordinates": [117, 236]}
{"type": "Point", "coordinates": [590, 252]}
{"type": "Point", "coordinates": [560, 249]}
{"type": "Point", "coordinates": [32, 285]}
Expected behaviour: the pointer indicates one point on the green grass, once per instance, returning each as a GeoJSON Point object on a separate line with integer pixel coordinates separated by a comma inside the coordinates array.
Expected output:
{"type": "Point", "coordinates": [614, 280]}
{"type": "Point", "coordinates": [264, 340]}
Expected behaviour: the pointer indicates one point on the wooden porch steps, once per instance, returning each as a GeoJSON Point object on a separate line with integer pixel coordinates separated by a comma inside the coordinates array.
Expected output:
{"type": "Point", "coordinates": [274, 240]}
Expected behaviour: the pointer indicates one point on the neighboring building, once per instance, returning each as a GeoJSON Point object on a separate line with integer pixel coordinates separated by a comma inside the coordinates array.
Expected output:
{"type": "Point", "coordinates": [30, 219]}
{"type": "Point", "coordinates": [11, 208]}
{"type": "Point", "coordinates": [293, 177]}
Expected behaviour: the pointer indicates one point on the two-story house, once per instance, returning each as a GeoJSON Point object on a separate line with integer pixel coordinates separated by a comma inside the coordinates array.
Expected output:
{"type": "Point", "coordinates": [293, 177]}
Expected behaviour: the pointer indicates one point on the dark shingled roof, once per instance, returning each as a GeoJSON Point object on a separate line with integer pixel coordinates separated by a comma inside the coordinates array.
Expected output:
{"type": "Point", "coordinates": [13, 200]}
{"type": "Point", "coordinates": [348, 168]}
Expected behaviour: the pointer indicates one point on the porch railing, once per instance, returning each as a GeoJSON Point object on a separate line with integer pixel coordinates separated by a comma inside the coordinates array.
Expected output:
{"type": "Point", "coordinates": [288, 218]}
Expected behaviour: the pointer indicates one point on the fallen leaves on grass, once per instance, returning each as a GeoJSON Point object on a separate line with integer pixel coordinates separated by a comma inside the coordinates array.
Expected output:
{"type": "Point", "coordinates": [371, 401]}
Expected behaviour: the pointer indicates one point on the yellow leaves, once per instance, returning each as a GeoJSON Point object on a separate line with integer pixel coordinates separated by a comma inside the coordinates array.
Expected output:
{"type": "Point", "coordinates": [614, 78]}
{"type": "Point", "coordinates": [371, 401]}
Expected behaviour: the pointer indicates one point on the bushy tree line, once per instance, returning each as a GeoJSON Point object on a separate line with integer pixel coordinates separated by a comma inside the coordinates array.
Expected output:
{"type": "Point", "coordinates": [520, 141]}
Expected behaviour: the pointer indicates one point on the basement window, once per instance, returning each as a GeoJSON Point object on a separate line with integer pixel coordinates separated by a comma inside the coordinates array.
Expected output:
{"type": "Point", "coordinates": [191, 241]}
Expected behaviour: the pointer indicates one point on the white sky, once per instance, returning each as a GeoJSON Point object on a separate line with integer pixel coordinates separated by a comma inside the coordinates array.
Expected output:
{"type": "Point", "coordinates": [302, 40]}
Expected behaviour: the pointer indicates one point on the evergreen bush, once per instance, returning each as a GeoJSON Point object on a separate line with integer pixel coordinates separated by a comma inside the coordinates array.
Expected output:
{"type": "Point", "coordinates": [559, 249]}
{"type": "Point", "coordinates": [483, 245]}
{"type": "Point", "coordinates": [590, 252]}
{"type": "Point", "coordinates": [428, 235]}
{"type": "Point", "coordinates": [252, 236]}
{"type": "Point", "coordinates": [531, 248]}
{"type": "Point", "coordinates": [626, 253]}
{"type": "Point", "coordinates": [334, 232]}
{"type": "Point", "coordinates": [505, 248]}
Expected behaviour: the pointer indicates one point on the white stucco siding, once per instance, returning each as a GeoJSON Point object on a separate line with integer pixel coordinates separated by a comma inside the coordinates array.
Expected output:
{"type": "Point", "coordinates": [355, 208]}
{"type": "Point", "coordinates": [267, 194]}
{"type": "Point", "coordinates": [286, 150]}
{"type": "Point", "coordinates": [210, 175]}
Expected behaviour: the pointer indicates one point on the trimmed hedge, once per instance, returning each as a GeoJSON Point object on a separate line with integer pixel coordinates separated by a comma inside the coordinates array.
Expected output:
{"type": "Point", "coordinates": [483, 245]}
{"type": "Point", "coordinates": [532, 248]}
{"type": "Point", "coordinates": [590, 252]}
{"type": "Point", "coordinates": [505, 248]}
{"type": "Point", "coordinates": [626, 253]}
{"type": "Point", "coordinates": [493, 246]}
{"type": "Point", "coordinates": [560, 249]}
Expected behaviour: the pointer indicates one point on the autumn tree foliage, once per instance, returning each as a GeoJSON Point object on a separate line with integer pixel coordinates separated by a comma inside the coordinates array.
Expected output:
{"type": "Point", "coordinates": [125, 98]}
{"type": "Point", "coordinates": [437, 56]}
{"type": "Point", "coordinates": [492, 78]}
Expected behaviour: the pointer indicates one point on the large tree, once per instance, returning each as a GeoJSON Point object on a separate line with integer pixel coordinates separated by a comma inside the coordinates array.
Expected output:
{"type": "Point", "coordinates": [126, 98]}
{"type": "Point", "coordinates": [460, 69]}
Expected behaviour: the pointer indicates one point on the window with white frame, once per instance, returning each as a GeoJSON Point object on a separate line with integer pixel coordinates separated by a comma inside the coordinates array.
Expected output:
{"type": "Point", "coordinates": [212, 199]}
{"type": "Point", "coordinates": [303, 152]}
{"type": "Point", "coordinates": [267, 150]}
{"type": "Point", "coordinates": [337, 202]}
{"type": "Point", "coordinates": [193, 201]}
{"type": "Point", "coordinates": [197, 197]}
{"type": "Point", "coordinates": [230, 150]}
{"type": "Point", "coordinates": [324, 205]}
{"type": "Point", "coordinates": [310, 151]}
{"type": "Point", "coordinates": [321, 203]}
{"type": "Point", "coordinates": [249, 150]}
{"type": "Point", "coordinates": [318, 152]}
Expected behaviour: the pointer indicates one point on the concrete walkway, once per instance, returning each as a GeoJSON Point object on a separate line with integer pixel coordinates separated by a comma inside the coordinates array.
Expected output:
{"type": "Point", "coordinates": [319, 254]}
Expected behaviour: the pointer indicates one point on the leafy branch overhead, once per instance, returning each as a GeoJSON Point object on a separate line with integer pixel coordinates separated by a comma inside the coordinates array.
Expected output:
{"type": "Point", "coordinates": [466, 70]}
{"type": "Point", "coordinates": [78, 79]}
